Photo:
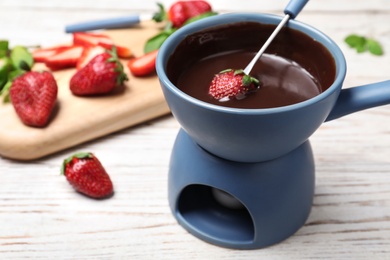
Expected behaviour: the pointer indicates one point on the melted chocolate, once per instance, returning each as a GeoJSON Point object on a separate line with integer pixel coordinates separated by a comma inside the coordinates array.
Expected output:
{"type": "Point", "coordinates": [294, 68]}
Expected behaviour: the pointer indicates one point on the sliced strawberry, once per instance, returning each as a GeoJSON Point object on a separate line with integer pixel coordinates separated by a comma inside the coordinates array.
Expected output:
{"type": "Point", "coordinates": [122, 51]}
{"type": "Point", "coordinates": [65, 58]}
{"type": "Point", "coordinates": [90, 39]}
{"type": "Point", "coordinates": [88, 54]}
{"type": "Point", "coordinates": [42, 54]}
{"type": "Point", "coordinates": [94, 39]}
{"type": "Point", "coordinates": [144, 65]}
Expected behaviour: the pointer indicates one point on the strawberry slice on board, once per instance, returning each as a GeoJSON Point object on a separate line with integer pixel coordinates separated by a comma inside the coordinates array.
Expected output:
{"type": "Point", "coordinates": [122, 51]}
{"type": "Point", "coordinates": [88, 54]}
{"type": "Point", "coordinates": [91, 39]}
{"type": "Point", "coordinates": [42, 54]}
{"type": "Point", "coordinates": [66, 58]}
{"type": "Point", "coordinates": [95, 39]}
{"type": "Point", "coordinates": [143, 65]}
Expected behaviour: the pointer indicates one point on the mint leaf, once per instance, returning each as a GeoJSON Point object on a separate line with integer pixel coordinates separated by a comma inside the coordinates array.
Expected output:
{"type": "Point", "coordinates": [374, 47]}
{"type": "Point", "coordinates": [3, 48]}
{"type": "Point", "coordinates": [21, 57]}
{"type": "Point", "coordinates": [5, 91]}
{"type": "Point", "coordinates": [363, 44]}
{"type": "Point", "coordinates": [11, 76]}
{"type": "Point", "coordinates": [5, 68]}
{"type": "Point", "coordinates": [155, 42]}
{"type": "Point", "coordinates": [355, 41]}
{"type": "Point", "coordinates": [13, 63]}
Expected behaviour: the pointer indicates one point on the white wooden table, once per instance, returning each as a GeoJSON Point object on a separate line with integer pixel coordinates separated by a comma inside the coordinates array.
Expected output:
{"type": "Point", "coordinates": [42, 217]}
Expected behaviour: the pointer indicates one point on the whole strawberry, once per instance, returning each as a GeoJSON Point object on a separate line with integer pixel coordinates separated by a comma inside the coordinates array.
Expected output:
{"type": "Point", "coordinates": [101, 75]}
{"type": "Point", "coordinates": [33, 96]}
{"type": "Point", "coordinates": [182, 11]}
{"type": "Point", "coordinates": [229, 84]}
{"type": "Point", "coordinates": [87, 175]}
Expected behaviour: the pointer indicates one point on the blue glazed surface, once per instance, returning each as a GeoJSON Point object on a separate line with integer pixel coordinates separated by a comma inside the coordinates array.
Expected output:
{"type": "Point", "coordinates": [277, 195]}
{"type": "Point", "coordinates": [255, 135]}
{"type": "Point", "coordinates": [294, 7]}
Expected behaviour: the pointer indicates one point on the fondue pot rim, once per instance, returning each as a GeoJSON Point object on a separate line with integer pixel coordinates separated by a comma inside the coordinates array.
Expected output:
{"type": "Point", "coordinates": [223, 19]}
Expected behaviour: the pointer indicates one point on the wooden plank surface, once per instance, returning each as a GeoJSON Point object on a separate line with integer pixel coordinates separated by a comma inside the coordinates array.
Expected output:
{"type": "Point", "coordinates": [79, 119]}
{"type": "Point", "coordinates": [43, 218]}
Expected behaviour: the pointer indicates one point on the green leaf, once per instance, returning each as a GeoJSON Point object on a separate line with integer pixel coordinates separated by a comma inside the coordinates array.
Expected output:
{"type": "Point", "coordinates": [355, 41]}
{"type": "Point", "coordinates": [363, 44]}
{"type": "Point", "coordinates": [199, 17]}
{"type": "Point", "coordinates": [155, 42]}
{"type": "Point", "coordinates": [20, 56]}
{"type": "Point", "coordinates": [246, 80]}
{"type": "Point", "coordinates": [3, 48]}
{"type": "Point", "coordinates": [5, 91]}
{"type": "Point", "coordinates": [374, 47]}
{"type": "Point", "coordinates": [255, 81]}
{"type": "Point", "coordinates": [80, 155]}
{"type": "Point", "coordinates": [12, 64]}
{"type": "Point", "coordinates": [161, 15]}
{"type": "Point", "coordinates": [225, 71]}
{"type": "Point", "coordinates": [24, 65]}
{"type": "Point", "coordinates": [11, 76]}
{"type": "Point", "coordinates": [5, 68]}
{"type": "Point", "coordinates": [361, 48]}
{"type": "Point", "coordinates": [240, 71]}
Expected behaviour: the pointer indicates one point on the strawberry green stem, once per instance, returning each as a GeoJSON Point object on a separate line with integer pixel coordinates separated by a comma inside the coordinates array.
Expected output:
{"type": "Point", "coordinates": [161, 15]}
{"type": "Point", "coordinates": [79, 155]}
{"type": "Point", "coordinates": [118, 66]}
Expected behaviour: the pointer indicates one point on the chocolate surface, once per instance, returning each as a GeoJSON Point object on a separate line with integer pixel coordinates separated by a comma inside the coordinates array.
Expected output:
{"type": "Point", "coordinates": [294, 68]}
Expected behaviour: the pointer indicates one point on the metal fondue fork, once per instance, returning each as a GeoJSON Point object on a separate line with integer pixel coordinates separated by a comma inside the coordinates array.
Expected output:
{"type": "Point", "coordinates": [291, 10]}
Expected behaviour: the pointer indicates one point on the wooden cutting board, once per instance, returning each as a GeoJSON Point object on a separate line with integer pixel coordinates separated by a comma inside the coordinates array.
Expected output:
{"type": "Point", "coordinates": [80, 119]}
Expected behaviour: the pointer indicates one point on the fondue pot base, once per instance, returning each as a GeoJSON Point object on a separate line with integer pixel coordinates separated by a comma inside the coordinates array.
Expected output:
{"type": "Point", "coordinates": [239, 205]}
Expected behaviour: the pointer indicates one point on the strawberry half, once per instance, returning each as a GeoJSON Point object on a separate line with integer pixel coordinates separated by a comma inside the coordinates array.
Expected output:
{"type": "Point", "coordinates": [87, 175]}
{"type": "Point", "coordinates": [90, 39]}
{"type": "Point", "coordinates": [230, 83]}
{"type": "Point", "coordinates": [95, 39]}
{"type": "Point", "coordinates": [143, 65]}
{"type": "Point", "coordinates": [42, 54]}
{"type": "Point", "coordinates": [101, 75]}
{"type": "Point", "coordinates": [65, 58]}
{"type": "Point", "coordinates": [88, 54]}
{"type": "Point", "coordinates": [122, 52]}
{"type": "Point", "coordinates": [33, 95]}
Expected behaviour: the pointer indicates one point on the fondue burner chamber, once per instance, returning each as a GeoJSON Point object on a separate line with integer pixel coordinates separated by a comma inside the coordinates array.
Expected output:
{"type": "Point", "coordinates": [237, 204]}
